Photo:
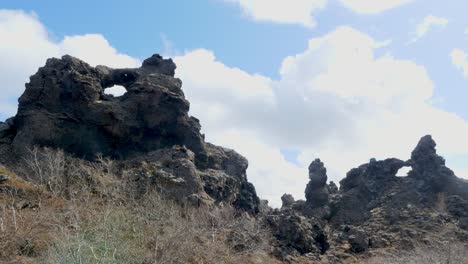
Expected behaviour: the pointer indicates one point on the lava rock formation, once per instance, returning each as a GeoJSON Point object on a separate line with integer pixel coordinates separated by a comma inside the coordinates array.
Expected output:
{"type": "Point", "coordinates": [148, 128]}
{"type": "Point", "coordinates": [374, 208]}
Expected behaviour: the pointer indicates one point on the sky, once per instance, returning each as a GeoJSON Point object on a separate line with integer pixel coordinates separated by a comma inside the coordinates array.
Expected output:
{"type": "Point", "coordinates": [281, 81]}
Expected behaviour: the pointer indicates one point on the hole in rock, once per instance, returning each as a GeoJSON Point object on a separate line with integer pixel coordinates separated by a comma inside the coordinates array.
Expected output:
{"type": "Point", "coordinates": [115, 90]}
{"type": "Point", "coordinates": [403, 172]}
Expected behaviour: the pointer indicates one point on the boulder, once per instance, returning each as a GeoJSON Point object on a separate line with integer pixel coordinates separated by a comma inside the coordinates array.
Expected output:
{"type": "Point", "coordinates": [4, 178]}
{"type": "Point", "coordinates": [358, 240]}
{"type": "Point", "coordinates": [298, 233]}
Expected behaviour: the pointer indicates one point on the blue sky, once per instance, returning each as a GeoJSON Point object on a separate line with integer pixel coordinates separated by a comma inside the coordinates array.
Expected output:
{"type": "Point", "coordinates": [142, 27]}
{"type": "Point", "coordinates": [262, 80]}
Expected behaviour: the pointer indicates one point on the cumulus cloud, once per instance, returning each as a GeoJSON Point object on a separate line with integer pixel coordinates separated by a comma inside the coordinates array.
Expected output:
{"type": "Point", "coordinates": [282, 11]}
{"type": "Point", "coordinates": [302, 11]}
{"type": "Point", "coordinates": [336, 100]}
{"type": "Point", "coordinates": [460, 60]}
{"type": "Point", "coordinates": [95, 50]}
{"type": "Point", "coordinates": [429, 23]}
{"type": "Point", "coordinates": [26, 45]}
{"type": "Point", "coordinates": [373, 6]}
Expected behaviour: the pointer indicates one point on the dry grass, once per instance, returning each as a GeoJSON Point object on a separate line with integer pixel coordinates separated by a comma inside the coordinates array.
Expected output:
{"type": "Point", "coordinates": [81, 212]}
{"type": "Point", "coordinates": [25, 221]}
{"type": "Point", "coordinates": [443, 253]}
{"type": "Point", "coordinates": [156, 231]}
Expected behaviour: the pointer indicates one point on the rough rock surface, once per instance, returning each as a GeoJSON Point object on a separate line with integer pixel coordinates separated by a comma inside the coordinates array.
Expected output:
{"type": "Point", "coordinates": [64, 106]}
{"type": "Point", "coordinates": [297, 234]}
{"type": "Point", "coordinates": [287, 200]}
{"type": "Point", "coordinates": [375, 209]}
{"type": "Point", "coordinates": [317, 194]}
{"type": "Point", "coordinates": [148, 128]}
{"type": "Point", "coordinates": [4, 178]}
{"type": "Point", "coordinates": [316, 191]}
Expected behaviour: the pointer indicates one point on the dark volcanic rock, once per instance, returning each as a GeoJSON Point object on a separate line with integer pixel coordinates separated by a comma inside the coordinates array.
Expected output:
{"type": "Point", "coordinates": [358, 240]}
{"type": "Point", "coordinates": [332, 188]}
{"type": "Point", "coordinates": [362, 187]}
{"type": "Point", "coordinates": [430, 172]}
{"type": "Point", "coordinates": [458, 207]}
{"type": "Point", "coordinates": [225, 178]}
{"type": "Point", "coordinates": [156, 63]}
{"type": "Point", "coordinates": [287, 200]}
{"type": "Point", "coordinates": [4, 178]}
{"type": "Point", "coordinates": [64, 107]}
{"type": "Point", "coordinates": [376, 209]}
{"type": "Point", "coordinates": [424, 157]}
{"type": "Point", "coordinates": [316, 192]}
{"type": "Point", "coordinates": [298, 233]}
{"type": "Point", "coordinates": [170, 171]}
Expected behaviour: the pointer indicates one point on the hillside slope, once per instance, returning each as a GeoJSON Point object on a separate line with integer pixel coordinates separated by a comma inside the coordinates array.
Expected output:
{"type": "Point", "coordinates": [95, 178]}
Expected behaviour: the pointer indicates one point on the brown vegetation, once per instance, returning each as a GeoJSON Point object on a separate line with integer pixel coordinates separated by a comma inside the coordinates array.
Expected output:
{"type": "Point", "coordinates": [67, 210]}
{"type": "Point", "coordinates": [83, 212]}
{"type": "Point", "coordinates": [443, 253]}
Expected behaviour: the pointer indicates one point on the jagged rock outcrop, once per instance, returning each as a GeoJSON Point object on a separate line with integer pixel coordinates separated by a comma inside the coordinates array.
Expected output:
{"type": "Point", "coordinates": [317, 194]}
{"type": "Point", "coordinates": [361, 189]}
{"type": "Point", "coordinates": [64, 106]}
{"type": "Point", "coordinates": [148, 128]}
{"type": "Point", "coordinates": [287, 200]}
{"type": "Point", "coordinates": [430, 172]}
{"type": "Point", "coordinates": [316, 191]}
{"type": "Point", "coordinates": [374, 208]}
{"type": "Point", "coordinates": [297, 234]}
{"type": "Point", "coordinates": [332, 188]}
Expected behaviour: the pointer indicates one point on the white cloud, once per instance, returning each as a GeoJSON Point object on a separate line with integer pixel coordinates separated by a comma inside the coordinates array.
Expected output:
{"type": "Point", "coordinates": [336, 100]}
{"type": "Point", "coordinates": [460, 60]}
{"type": "Point", "coordinates": [373, 6]}
{"type": "Point", "coordinates": [429, 23]}
{"type": "Point", "coordinates": [302, 11]}
{"type": "Point", "coordinates": [25, 45]}
{"type": "Point", "coordinates": [282, 11]}
{"type": "Point", "coordinates": [95, 50]}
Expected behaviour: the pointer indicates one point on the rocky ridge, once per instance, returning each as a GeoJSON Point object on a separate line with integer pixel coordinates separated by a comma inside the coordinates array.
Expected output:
{"type": "Point", "coordinates": [150, 134]}
{"type": "Point", "coordinates": [374, 209]}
